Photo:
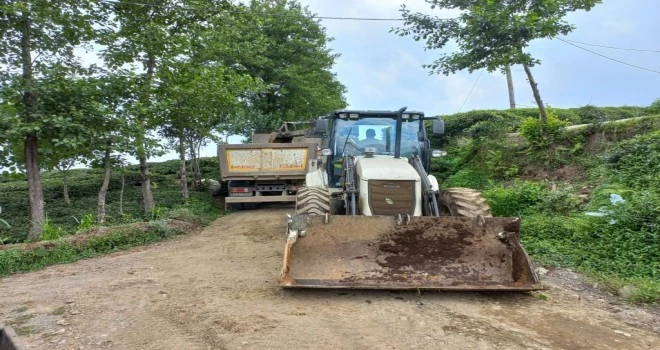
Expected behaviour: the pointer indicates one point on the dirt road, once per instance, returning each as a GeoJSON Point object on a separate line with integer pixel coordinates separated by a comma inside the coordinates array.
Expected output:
{"type": "Point", "coordinates": [217, 289]}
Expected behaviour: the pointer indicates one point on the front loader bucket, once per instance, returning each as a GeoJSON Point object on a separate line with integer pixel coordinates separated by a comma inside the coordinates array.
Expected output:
{"type": "Point", "coordinates": [379, 252]}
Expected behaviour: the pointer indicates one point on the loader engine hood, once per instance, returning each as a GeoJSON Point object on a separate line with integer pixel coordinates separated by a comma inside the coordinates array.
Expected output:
{"type": "Point", "coordinates": [388, 186]}
{"type": "Point", "coordinates": [385, 168]}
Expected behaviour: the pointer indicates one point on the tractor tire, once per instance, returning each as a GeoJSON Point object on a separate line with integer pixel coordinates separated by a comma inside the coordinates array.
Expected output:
{"type": "Point", "coordinates": [464, 202]}
{"type": "Point", "coordinates": [313, 200]}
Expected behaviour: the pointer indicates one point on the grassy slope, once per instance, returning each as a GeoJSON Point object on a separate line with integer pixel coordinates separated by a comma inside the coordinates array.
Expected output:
{"type": "Point", "coordinates": [551, 191]}
{"type": "Point", "coordinates": [171, 218]}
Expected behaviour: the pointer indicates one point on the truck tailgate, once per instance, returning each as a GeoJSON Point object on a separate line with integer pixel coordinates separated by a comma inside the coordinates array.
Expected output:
{"type": "Point", "coordinates": [265, 161]}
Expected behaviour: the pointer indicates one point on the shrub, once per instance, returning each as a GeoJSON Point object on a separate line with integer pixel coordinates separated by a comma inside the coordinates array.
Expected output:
{"type": "Point", "coordinates": [636, 162]}
{"type": "Point", "coordinates": [20, 260]}
{"type": "Point", "coordinates": [540, 136]}
{"type": "Point", "coordinates": [563, 202]}
{"type": "Point", "coordinates": [591, 114]}
{"type": "Point", "coordinates": [499, 163]}
{"type": "Point", "coordinates": [549, 239]}
{"type": "Point", "coordinates": [515, 200]}
{"type": "Point", "coordinates": [49, 231]}
{"type": "Point", "coordinates": [468, 177]}
{"type": "Point", "coordinates": [185, 214]}
{"type": "Point", "coordinates": [622, 245]}
{"type": "Point", "coordinates": [85, 223]}
{"type": "Point", "coordinates": [654, 108]}
{"type": "Point", "coordinates": [458, 124]}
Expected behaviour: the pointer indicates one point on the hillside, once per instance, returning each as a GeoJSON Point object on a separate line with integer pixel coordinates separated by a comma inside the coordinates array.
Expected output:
{"type": "Point", "coordinates": [83, 186]}
{"type": "Point", "coordinates": [566, 188]}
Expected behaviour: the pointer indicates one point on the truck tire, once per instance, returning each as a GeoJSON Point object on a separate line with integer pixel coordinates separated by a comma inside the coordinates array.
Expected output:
{"type": "Point", "coordinates": [313, 200]}
{"type": "Point", "coordinates": [463, 202]}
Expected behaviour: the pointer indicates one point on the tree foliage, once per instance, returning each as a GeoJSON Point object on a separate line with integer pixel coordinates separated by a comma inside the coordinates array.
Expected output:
{"type": "Point", "coordinates": [287, 49]}
{"type": "Point", "coordinates": [174, 74]}
{"type": "Point", "coordinates": [491, 35]}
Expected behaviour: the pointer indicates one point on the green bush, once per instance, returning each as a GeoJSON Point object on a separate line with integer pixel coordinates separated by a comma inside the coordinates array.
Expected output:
{"type": "Point", "coordinates": [562, 202]}
{"type": "Point", "coordinates": [550, 239]}
{"type": "Point", "coordinates": [458, 124]}
{"type": "Point", "coordinates": [500, 163]}
{"type": "Point", "coordinates": [654, 108]}
{"type": "Point", "coordinates": [21, 260]}
{"type": "Point", "coordinates": [468, 177]}
{"type": "Point", "coordinates": [49, 231]}
{"type": "Point", "coordinates": [636, 162]}
{"type": "Point", "coordinates": [542, 136]}
{"type": "Point", "coordinates": [517, 199]}
{"type": "Point", "coordinates": [591, 114]}
{"type": "Point", "coordinates": [466, 123]}
{"type": "Point", "coordinates": [622, 246]}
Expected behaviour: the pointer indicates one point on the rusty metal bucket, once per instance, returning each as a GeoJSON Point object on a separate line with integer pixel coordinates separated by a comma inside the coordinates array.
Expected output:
{"type": "Point", "coordinates": [8, 339]}
{"type": "Point", "coordinates": [380, 252]}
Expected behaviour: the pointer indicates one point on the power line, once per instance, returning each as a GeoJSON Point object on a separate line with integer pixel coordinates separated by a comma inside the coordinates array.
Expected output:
{"type": "Point", "coordinates": [470, 93]}
{"type": "Point", "coordinates": [372, 19]}
{"type": "Point", "coordinates": [612, 47]}
{"type": "Point", "coordinates": [609, 58]}
{"type": "Point", "coordinates": [175, 7]}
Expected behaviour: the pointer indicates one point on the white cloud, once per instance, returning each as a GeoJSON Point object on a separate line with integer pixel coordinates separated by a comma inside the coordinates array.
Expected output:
{"type": "Point", "coordinates": [618, 27]}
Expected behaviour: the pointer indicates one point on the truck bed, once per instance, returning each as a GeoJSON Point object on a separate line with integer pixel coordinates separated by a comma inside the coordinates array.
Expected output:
{"type": "Point", "coordinates": [266, 161]}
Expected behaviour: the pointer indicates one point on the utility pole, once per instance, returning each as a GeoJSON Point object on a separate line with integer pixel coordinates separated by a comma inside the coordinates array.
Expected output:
{"type": "Point", "coordinates": [509, 81]}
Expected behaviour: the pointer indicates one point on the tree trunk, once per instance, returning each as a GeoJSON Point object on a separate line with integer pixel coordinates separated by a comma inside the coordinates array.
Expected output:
{"type": "Point", "coordinates": [31, 146]}
{"type": "Point", "coordinates": [100, 206]}
{"type": "Point", "coordinates": [509, 83]}
{"type": "Point", "coordinates": [121, 195]}
{"type": "Point", "coordinates": [199, 170]}
{"type": "Point", "coordinates": [537, 96]}
{"type": "Point", "coordinates": [35, 189]}
{"type": "Point", "coordinates": [193, 163]}
{"type": "Point", "coordinates": [65, 189]}
{"type": "Point", "coordinates": [147, 194]}
{"type": "Point", "coordinates": [184, 172]}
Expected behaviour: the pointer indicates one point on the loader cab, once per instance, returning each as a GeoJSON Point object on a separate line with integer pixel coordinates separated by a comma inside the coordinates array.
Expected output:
{"type": "Point", "coordinates": [350, 132]}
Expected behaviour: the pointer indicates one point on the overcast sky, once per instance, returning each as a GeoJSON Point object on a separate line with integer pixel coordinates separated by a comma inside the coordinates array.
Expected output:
{"type": "Point", "coordinates": [383, 71]}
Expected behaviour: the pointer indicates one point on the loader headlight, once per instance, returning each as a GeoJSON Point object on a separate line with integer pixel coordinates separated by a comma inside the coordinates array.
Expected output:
{"type": "Point", "coordinates": [438, 153]}
{"type": "Point", "coordinates": [325, 152]}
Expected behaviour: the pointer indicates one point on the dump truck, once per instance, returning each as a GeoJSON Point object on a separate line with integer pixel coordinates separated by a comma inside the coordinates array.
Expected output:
{"type": "Point", "coordinates": [369, 215]}
{"type": "Point", "coordinates": [270, 169]}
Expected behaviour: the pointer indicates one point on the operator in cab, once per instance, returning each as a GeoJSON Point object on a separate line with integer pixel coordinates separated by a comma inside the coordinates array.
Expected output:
{"type": "Point", "coordinates": [371, 140]}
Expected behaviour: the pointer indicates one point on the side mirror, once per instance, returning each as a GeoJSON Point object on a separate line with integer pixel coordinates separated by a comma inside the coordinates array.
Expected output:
{"type": "Point", "coordinates": [438, 127]}
{"type": "Point", "coordinates": [321, 125]}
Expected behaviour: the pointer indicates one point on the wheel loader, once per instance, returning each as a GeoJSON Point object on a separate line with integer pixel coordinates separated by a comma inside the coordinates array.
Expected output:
{"type": "Point", "coordinates": [370, 216]}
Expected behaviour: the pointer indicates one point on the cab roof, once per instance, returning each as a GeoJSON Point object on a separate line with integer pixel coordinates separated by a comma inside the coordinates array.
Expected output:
{"type": "Point", "coordinates": [376, 114]}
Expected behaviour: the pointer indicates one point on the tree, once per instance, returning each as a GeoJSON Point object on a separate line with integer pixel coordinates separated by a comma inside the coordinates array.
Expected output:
{"type": "Point", "coordinates": [34, 33]}
{"type": "Point", "coordinates": [114, 93]}
{"type": "Point", "coordinates": [287, 49]}
{"type": "Point", "coordinates": [70, 113]}
{"type": "Point", "coordinates": [147, 34]}
{"type": "Point", "coordinates": [201, 96]}
{"type": "Point", "coordinates": [491, 34]}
